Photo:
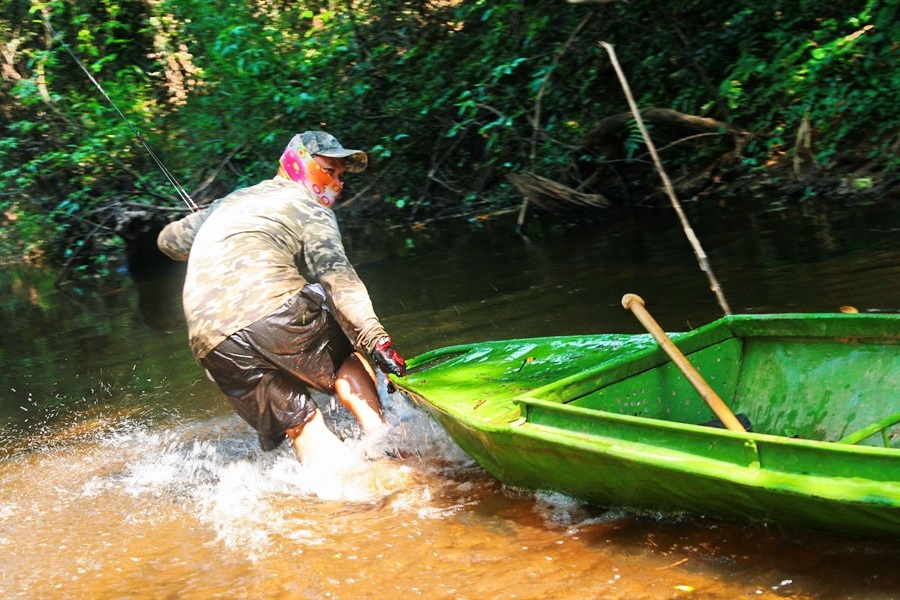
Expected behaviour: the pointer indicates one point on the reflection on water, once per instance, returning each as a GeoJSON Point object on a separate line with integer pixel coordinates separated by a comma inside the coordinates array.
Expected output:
{"type": "Point", "coordinates": [124, 474]}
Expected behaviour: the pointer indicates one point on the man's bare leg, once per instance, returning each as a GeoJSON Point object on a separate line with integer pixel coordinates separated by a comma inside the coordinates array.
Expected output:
{"type": "Point", "coordinates": [356, 389]}
{"type": "Point", "coordinates": [315, 444]}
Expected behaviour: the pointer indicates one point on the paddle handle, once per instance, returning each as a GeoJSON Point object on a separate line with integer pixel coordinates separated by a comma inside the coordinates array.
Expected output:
{"type": "Point", "coordinates": [635, 304]}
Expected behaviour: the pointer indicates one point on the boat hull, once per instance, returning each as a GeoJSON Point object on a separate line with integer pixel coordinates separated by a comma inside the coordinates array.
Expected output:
{"type": "Point", "coordinates": [582, 416]}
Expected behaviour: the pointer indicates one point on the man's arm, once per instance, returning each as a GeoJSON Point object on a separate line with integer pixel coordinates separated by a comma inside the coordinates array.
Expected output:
{"type": "Point", "coordinates": [176, 238]}
{"type": "Point", "coordinates": [347, 296]}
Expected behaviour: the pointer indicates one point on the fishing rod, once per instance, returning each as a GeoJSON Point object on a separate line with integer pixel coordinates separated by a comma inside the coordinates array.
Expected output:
{"type": "Point", "coordinates": [182, 193]}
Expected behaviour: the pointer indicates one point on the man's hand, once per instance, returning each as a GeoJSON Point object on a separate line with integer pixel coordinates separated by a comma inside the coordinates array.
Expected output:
{"type": "Point", "coordinates": [388, 359]}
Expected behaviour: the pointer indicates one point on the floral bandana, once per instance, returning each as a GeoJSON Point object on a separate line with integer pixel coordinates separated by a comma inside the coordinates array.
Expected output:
{"type": "Point", "coordinates": [297, 164]}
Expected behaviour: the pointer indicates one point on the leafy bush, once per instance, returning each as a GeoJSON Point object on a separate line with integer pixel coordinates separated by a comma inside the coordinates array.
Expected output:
{"type": "Point", "coordinates": [446, 96]}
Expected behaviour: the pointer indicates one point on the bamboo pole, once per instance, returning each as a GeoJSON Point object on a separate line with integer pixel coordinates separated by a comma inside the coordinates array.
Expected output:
{"type": "Point", "coordinates": [670, 191]}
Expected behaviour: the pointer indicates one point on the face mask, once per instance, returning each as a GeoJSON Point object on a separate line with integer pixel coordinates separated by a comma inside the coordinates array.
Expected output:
{"type": "Point", "coordinates": [297, 164]}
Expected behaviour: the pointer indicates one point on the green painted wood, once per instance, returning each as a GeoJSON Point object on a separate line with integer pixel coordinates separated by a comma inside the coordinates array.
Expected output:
{"type": "Point", "coordinates": [608, 419]}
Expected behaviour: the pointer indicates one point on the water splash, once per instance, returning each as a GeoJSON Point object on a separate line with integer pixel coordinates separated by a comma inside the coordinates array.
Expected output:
{"type": "Point", "coordinates": [214, 471]}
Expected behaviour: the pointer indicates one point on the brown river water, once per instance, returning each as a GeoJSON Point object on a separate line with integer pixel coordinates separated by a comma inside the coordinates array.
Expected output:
{"type": "Point", "coordinates": [124, 473]}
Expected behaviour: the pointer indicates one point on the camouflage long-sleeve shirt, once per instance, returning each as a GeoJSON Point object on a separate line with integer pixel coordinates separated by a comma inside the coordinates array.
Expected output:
{"type": "Point", "coordinates": [256, 248]}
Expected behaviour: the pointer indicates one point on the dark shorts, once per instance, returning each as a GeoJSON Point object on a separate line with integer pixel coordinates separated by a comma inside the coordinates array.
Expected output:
{"type": "Point", "coordinates": [268, 368]}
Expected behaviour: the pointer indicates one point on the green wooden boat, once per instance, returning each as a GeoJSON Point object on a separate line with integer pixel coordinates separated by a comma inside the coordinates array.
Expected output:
{"type": "Point", "coordinates": [609, 419]}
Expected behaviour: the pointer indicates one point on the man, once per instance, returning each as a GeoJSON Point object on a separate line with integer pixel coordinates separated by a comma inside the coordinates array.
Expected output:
{"type": "Point", "coordinates": [273, 306]}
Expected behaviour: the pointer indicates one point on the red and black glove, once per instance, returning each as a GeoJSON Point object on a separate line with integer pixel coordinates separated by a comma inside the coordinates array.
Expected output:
{"type": "Point", "coordinates": [388, 359]}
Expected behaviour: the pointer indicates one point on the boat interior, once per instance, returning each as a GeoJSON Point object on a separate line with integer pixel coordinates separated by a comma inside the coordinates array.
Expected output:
{"type": "Point", "coordinates": [819, 388]}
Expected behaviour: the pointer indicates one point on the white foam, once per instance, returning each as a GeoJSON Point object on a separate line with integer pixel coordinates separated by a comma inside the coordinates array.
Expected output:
{"type": "Point", "coordinates": [214, 469]}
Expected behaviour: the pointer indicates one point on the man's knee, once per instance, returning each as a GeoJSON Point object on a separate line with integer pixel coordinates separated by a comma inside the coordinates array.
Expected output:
{"type": "Point", "coordinates": [293, 432]}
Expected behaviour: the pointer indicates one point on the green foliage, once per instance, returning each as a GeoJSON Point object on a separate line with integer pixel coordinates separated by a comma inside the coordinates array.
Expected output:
{"type": "Point", "coordinates": [446, 96]}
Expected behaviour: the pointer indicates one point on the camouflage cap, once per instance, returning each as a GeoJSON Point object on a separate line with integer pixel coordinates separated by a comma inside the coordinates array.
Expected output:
{"type": "Point", "coordinates": [325, 144]}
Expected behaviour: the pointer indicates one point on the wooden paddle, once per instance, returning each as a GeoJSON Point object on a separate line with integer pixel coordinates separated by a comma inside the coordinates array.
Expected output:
{"type": "Point", "coordinates": [635, 304]}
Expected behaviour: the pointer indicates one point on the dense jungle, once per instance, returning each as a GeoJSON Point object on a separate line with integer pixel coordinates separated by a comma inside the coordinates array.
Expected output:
{"type": "Point", "coordinates": [466, 109]}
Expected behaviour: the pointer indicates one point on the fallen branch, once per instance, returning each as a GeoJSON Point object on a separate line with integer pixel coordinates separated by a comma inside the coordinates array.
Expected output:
{"type": "Point", "coordinates": [613, 124]}
{"type": "Point", "coordinates": [537, 190]}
